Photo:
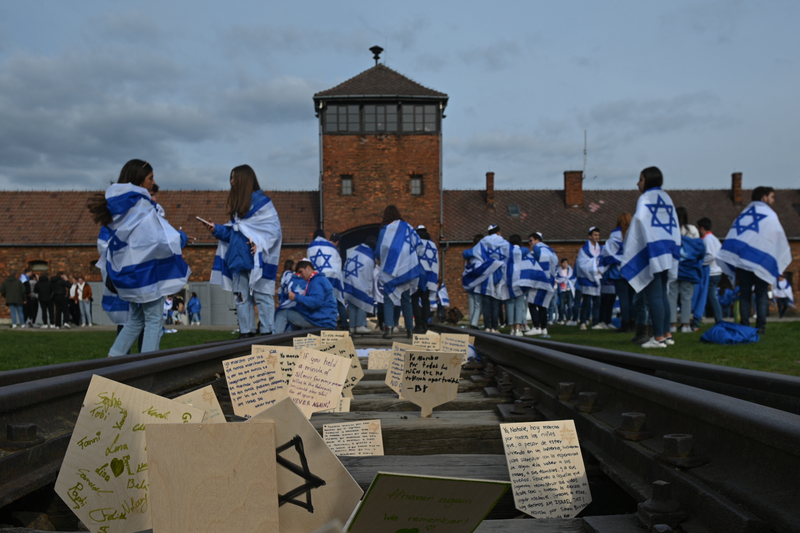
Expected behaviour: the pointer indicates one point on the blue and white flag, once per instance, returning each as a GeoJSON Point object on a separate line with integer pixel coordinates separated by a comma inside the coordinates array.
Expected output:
{"type": "Point", "coordinates": [544, 272]}
{"type": "Point", "coordinates": [444, 298]}
{"type": "Point", "coordinates": [611, 256]}
{"type": "Point", "coordinates": [117, 309]}
{"type": "Point", "coordinates": [429, 261]}
{"type": "Point", "coordinates": [782, 289]}
{"type": "Point", "coordinates": [143, 252]}
{"type": "Point", "coordinates": [490, 277]}
{"type": "Point", "coordinates": [262, 227]}
{"type": "Point", "coordinates": [588, 270]}
{"type": "Point", "coordinates": [756, 242]}
{"type": "Point", "coordinates": [327, 261]}
{"type": "Point", "coordinates": [477, 272]}
{"type": "Point", "coordinates": [294, 283]}
{"type": "Point", "coordinates": [653, 241]}
{"type": "Point", "coordinates": [567, 279]}
{"type": "Point", "coordinates": [358, 280]}
{"type": "Point", "coordinates": [519, 271]}
{"type": "Point", "coordinates": [397, 248]}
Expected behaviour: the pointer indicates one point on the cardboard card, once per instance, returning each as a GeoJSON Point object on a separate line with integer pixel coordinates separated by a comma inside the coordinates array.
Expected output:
{"type": "Point", "coordinates": [394, 374]}
{"type": "Point", "coordinates": [213, 477]}
{"type": "Point", "coordinates": [309, 341]}
{"type": "Point", "coordinates": [255, 382]}
{"type": "Point", "coordinates": [379, 359]}
{"type": "Point", "coordinates": [431, 378]}
{"type": "Point", "coordinates": [318, 380]}
{"type": "Point", "coordinates": [288, 357]}
{"type": "Point", "coordinates": [427, 342]}
{"type": "Point", "coordinates": [206, 400]}
{"type": "Point", "coordinates": [343, 347]}
{"type": "Point", "coordinates": [363, 437]}
{"type": "Point", "coordinates": [104, 478]}
{"type": "Point", "coordinates": [546, 468]}
{"type": "Point", "coordinates": [454, 342]}
{"type": "Point", "coordinates": [329, 334]}
{"type": "Point", "coordinates": [406, 503]}
{"type": "Point", "coordinates": [313, 485]}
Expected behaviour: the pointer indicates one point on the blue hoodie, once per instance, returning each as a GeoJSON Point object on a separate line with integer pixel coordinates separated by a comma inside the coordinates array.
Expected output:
{"type": "Point", "coordinates": [318, 305]}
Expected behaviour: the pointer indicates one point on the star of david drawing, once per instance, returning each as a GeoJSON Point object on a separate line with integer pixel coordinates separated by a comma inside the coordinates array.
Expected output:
{"type": "Point", "coordinates": [655, 222]}
{"type": "Point", "coordinates": [753, 226]}
{"type": "Point", "coordinates": [311, 481]}
{"type": "Point", "coordinates": [352, 267]}
{"type": "Point", "coordinates": [208, 396]}
{"type": "Point", "coordinates": [374, 427]}
{"type": "Point", "coordinates": [496, 253]}
{"type": "Point", "coordinates": [456, 360]}
{"type": "Point", "coordinates": [321, 261]}
{"type": "Point", "coordinates": [271, 360]}
{"type": "Point", "coordinates": [568, 436]}
{"type": "Point", "coordinates": [429, 256]}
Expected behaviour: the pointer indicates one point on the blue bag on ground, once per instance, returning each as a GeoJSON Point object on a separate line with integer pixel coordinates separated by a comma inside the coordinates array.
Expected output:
{"type": "Point", "coordinates": [730, 333]}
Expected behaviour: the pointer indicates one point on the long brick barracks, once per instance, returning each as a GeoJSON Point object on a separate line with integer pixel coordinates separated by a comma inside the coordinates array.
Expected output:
{"type": "Point", "coordinates": [381, 143]}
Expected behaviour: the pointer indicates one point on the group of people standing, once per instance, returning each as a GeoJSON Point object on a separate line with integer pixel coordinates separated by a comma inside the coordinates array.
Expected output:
{"type": "Point", "coordinates": [653, 261]}
{"type": "Point", "coordinates": [62, 299]}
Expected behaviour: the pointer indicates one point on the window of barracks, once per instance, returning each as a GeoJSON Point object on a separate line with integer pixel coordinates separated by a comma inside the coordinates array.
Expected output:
{"type": "Point", "coordinates": [347, 185]}
{"type": "Point", "coordinates": [416, 184]}
{"type": "Point", "coordinates": [381, 118]}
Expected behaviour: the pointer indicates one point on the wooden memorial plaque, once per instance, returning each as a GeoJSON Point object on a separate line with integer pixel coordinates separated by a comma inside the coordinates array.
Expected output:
{"type": "Point", "coordinates": [343, 347]}
{"type": "Point", "coordinates": [354, 438]}
{"type": "Point", "coordinates": [453, 342]}
{"type": "Point", "coordinates": [431, 378]}
{"type": "Point", "coordinates": [323, 488]}
{"type": "Point", "coordinates": [379, 359]}
{"type": "Point", "coordinates": [546, 468]}
{"type": "Point", "coordinates": [407, 503]}
{"type": "Point", "coordinates": [208, 477]}
{"type": "Point", "coordinates": [309, 341]}
{"type": "Point", "coordinates": [288, 357]}
{"type": "Point", "coordinates": [206, 400]}
{"type": "Point", "coordinates": [394, 374]}
{"type": "Point", "coordinates": [104, 478]}
{"type": "Point", "coordinates": [255, 382]}
{"type": "Point", "coordinates": [427, 342]}
{"type": "Point", "coordinates": [342, 407]}
{"type": "Point", "coordinates": [318, 380]}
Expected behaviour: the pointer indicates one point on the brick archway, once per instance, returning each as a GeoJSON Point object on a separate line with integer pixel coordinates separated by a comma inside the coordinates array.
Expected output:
{"type": "Point", "coordinates": [355, 236]}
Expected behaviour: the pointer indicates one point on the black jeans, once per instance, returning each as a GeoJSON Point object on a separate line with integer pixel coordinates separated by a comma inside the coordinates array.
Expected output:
{"type": "Point", "coordinates": [421, 308]}
{"type": "Point", "coordinates": [62, 309]}
{"type": "Point", "coordinates": [746, 280]}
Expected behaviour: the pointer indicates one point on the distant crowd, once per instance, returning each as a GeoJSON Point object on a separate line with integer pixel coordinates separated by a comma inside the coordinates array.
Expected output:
{"type": "Point", "coordinates": [64, 300]}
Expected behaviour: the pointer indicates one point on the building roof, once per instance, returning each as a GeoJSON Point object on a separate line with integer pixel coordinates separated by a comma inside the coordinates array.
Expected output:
{"type": "Point", "coordinates": [39, 217]}
{"type": "Point", "coordinates": [466, 213]}
{"type": "Point", "coordinates": [381, 81]}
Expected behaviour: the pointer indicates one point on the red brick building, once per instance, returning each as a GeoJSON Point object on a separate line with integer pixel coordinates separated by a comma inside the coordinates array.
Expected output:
{"type": "Point", "coordinates": [380, 144]}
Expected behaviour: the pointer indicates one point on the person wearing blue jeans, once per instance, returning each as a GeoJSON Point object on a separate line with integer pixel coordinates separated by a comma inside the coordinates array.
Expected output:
{"type": "Point", "coordinates": [148, 316]}
{"type": "Point", "coordinates": [246, 302]}
{"type": "Point", "coordinates": [712, 246]}
{"type": "Point", "coordinates": [315, 309]}
{"type": "Point", "coordinates": [747, 280]}
{"type": "Point", "coordinates": [389, 310]}
{"type": "Point", "coordinates": [657, 297]}
{"type": "Point", "coordinates": [491, 312]}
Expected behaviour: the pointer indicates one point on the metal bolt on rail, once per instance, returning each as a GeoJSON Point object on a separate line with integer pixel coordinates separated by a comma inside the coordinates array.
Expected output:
{"type": "Point", "coordinates": [19, 436]}
{"type": "Point", "coordinates": [488, 372]}
{"type": "Point", "coordinates": [566, 391]}
{"type": "Point", "coordinates": [634, 427]}
{"type": "Point", "coordinates": [661, 528]}
{"type": "Point", "coordinates": [505, 384]}
{"type": "Point", "coordinates": [519, 408]}
{"type": "Point", "coordinates": [527, 398]}
{"type": "Point", "coordinates": [679, 451]}
{"type": "Point", "coordinates": [587, 402]}
{"type": "Point", "coordinates": [661, 509]}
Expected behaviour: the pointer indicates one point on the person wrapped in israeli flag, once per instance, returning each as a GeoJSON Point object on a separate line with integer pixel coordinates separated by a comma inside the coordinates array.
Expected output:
{"type": "Point", "coordinates": [755, 252]}
{"type": "Point", "coordinates": [140, 253]}
{"type": "Point", "coordinates": [494, 249]}
{"type": "Point", "coordinates": [444, 298]}
{"type": "Point", "coordinates": [519, 278]}
{"type": "Point", "coordinates": [359, 285]}
{"type": "Point", "coordinates": [400, 270]}
{"type": "Point", "coordinates": [652, 252]}
{"type": "Point", "coordinates": [428, 282]}
{"type": "Point", "coordinates": [293, 283]}
{"type": "Point", "coordinates": [543, 283]}
{"type": "Point", "coordinates": [117, 309]}
{"type": "Point", "coordinates": [246, 261]}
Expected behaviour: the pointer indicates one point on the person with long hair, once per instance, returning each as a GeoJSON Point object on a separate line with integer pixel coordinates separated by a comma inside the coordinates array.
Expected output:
{"type": "Point", "coordinates": [612, 256]}
{"type": "Point", "coordinates": [652, 249]}
{"type": "Point", "coordinates": [690, 273]}
{"type": "Point", "coordinates": [249, 249]}
{"type": "Point", "coordinates": [140, 253]}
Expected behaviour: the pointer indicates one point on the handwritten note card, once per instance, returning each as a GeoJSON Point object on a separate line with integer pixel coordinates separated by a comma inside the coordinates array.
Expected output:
{"type": "Point", "coordinates": [343, 347]}
{"type": "Point", "coordinates": [309, 341]}
{"type": "Point", "coordinates": [288, 357]}
{"type": "Point", "coordinates": [453, 342]}
{"type": "Point", "coordinates": [255, 382]}
{"type": "Point", "coordinates": [427, 342]}
{"type": "Point", "coordinates": [343, 406]}
{"type": "Point", "coordinates": [104, 477]}
{"type": "Point", "coordinates": [546, 468]}
{"type": "Point", "coordinates": [394, 374]}
{"type": "Point", "coordinates": [354, 438]}
{"type": "Point", "coordinates": [318, 380]}
{"type": "Point", "coordinates": [431, 378]}
{"type": "Point", "coordinates": [329, 335]}
{"type": "Point", "coordinates": [206, 400]}
{"type": "Point", "coordinates": [379, 359]}
{"type": "Point", "coordinates": [406, 503]}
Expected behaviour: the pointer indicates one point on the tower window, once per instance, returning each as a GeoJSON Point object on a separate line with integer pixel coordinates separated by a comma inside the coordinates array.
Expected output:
{"type": "Point", "coordinates": [379, 118]}
{"type": "Point", "coordinates": [416, 185]}
{"type": "Point", "coordinates": [347, 185]}
{"type": "Point", "coordinates": [38, 266]}
{"type": "Point", "coordinates": [419, 118]}
{"type": "Point", "coordinates": [342, 118]}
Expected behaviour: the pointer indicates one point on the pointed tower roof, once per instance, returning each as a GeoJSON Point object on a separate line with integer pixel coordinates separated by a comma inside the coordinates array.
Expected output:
{"type": "Point", "coordinates": [380, 82]}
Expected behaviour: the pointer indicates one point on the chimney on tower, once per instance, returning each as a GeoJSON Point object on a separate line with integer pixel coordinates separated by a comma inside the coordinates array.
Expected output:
{"type": "Point", "coordinates": [736, 188]}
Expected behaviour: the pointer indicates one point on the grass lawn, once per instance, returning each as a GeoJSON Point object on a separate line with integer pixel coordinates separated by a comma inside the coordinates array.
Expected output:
{"type": "Point", "coordinates": [24, 348]}
{"type": "Point", "coordinates": [777, 351]}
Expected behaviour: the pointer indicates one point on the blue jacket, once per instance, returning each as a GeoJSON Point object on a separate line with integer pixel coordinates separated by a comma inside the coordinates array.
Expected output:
{"type": "Point", "coordinates": [691, 263]}
{"type": "Point", "coordinates": [318, 305]}
{"type": "Point", "coordinates": [238, 258]}
{"type": "Point", "coordinates": [194, 305]}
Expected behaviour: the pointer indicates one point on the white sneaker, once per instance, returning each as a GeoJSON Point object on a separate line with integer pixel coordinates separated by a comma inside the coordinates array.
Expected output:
{"type": "Point", "coordinates": [673, 329]}
{"type": "Point", "coordinates": [533, 332]}
{"type": "Point", "coordinates": [544, 332]}
{"type": "Point", "coordinates": [66, 325]}
{"type": "Point", "coordinates": [653, 343]}
{"type": "Point", "coordinates": [599, 325]}
{"type": "Point", "coordinates": [13, 326]}
{"type": "Point", "coordinates": [669, 341]}
{"type": "Point", "coordinates": [572, 323]}
{"type": "Point", "coordinates": [561, 322]}
{"type": "Point", "coordinates": [362, 329]}
{"type": "Point", "coordinates": [686, 328]}
{"type": "Point", "coordinates": [583, 326]}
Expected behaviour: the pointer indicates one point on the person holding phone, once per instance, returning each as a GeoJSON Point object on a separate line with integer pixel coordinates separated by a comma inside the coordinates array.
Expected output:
{"type": "Point", "coordinates": [249, 249]}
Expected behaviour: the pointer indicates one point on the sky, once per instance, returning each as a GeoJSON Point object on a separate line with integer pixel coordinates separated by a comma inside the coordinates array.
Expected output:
{"type": "Point", "coordinates": [701, 89]}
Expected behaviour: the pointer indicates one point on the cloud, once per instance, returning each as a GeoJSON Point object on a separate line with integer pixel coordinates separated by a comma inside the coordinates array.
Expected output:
{"type": "Point", "coordinates": [129, 27]}
{"type": "Point", "coordinates": [285, 99]}
{"type": "Point", "coordinates": [493, 57]}
{"type": "Point", "coordinates": [717, 19]}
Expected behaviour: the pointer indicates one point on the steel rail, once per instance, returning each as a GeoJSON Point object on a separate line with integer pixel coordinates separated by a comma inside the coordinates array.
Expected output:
{"type": "Point", "coordinates": [747, 484]}
{"type": "Point", "coordinates": [53, 404]}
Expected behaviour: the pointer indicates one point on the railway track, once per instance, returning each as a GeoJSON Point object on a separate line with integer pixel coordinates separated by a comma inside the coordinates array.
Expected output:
{"type": "Point", "coordinates": [736, 473]}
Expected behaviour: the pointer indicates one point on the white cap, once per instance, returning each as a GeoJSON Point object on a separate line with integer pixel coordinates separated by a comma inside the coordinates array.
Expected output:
{"type": "Point", "coordinates": [491, 227]}
{"type": "Point", "coordinates": [420, 227]}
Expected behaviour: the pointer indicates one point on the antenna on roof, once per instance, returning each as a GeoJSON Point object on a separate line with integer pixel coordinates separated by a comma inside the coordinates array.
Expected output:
{"type": "Point", "coordinates": [584, 154]}
{"type": "Point", "coordinates": [376, 51]}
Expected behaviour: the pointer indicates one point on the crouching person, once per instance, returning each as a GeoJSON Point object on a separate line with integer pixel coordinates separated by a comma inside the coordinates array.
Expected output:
{"type": "Point", "coordinates": [317, 308]}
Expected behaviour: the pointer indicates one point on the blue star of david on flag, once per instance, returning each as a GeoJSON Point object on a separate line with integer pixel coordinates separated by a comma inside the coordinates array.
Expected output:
{"type": "Point", "coordinates": [321, 261]}
{"type": "Point", "coordinates": [410, 237]}
{"type": "Point", "coordinates": [655, 222]}
{"type": "Point", "coordinates": [429, 256]}
{"type": "Point", "coordinates": [352, 267]}
{"type": "Point", "coordinates": [753, 226]}
{"type": "Point", "coordinates": [496, 253]}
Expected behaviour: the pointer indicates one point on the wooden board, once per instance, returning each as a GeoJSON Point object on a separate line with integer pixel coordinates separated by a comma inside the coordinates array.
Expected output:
{"type": "Point", "coordinates": [546, 468]}
{"type": "Point", "coordinates": [206, 400]}
{"type": "Point", "coordinates": [354, 438]}
{"type": "Point", "coordinates": [431, 378]}
{"type": "Point", "coordinates": [343, 347]}
{"type": "Point", "coordinates": [379, 359]}
{"type": "Point", "coordinates": [104, 474]}
{"type": "Point", "coordinates": [208, 477]}
{"type": "Point", "coordinates": [255, 382]}
{"type": "Point", "coordinates": [449, 505]}
{"type": "Point", "coordinates": [335, 499]}
{"type": "Point", "coordinates": [288, 357]}
{"type": "Point", "coordinates": [453, 342]}
{"type": "Point", "coordinates": [318, 380]}
{"type": "Point", "coordinates": [394, 374]}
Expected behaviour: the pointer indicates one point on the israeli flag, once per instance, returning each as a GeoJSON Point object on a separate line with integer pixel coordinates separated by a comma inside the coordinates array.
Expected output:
{"type": "Point", "coordinates": [756, 242]}
{"type": "Point", "coordinates": [143, 253]}
{"type": "Point", "coordinates": [117, 309]}
{"type": "Point", "coordinates": [490, 278]}
{"type": "Point", "coordinates": [477, 272]}
{"type": "Point", "coordinates": [588, 270]}
{"type": "Point", "coordinates": [294, 283]}
{"type": "Point", "coordinates": [327, 261]}
{"type": "Point", "coordinates": [397, 248]}
{"type": "Point", "coordinates": [653, 241]}
{"type": "Point", "coordinates": [429, 261]}
{"type": "Point", "coordinates": [544, 273]}
{"type": "Point", "coordinates": [358, 280]}
{"type": "Point", "coordinates": [612, 251]}
{"type": "Point", "coordinates": [444, 298]}
{"type": "Point", "coordinates": [782, 289]}
{"type": "Point", "coordinates": [262, 226]}
{"type": "Point", "coordinates": [568, 279]}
